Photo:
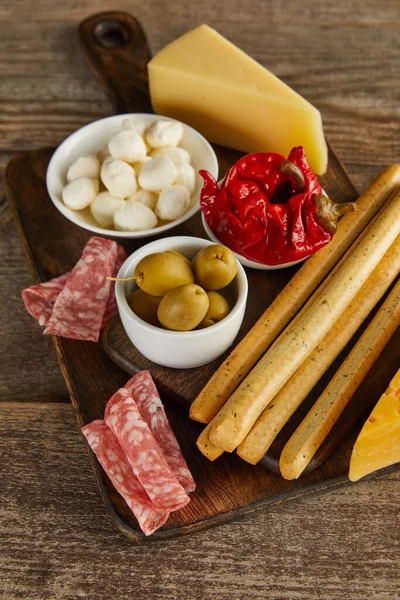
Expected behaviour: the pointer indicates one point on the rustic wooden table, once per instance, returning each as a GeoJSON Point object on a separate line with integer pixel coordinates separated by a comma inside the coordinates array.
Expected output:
{"type": "Point", "coordinates": [56, 541]}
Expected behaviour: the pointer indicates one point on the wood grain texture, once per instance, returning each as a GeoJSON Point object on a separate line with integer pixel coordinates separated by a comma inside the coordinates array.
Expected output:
{"type": "Point", "coordinates": [345, 62]}
{"type": "Point", "coordinates": [56, 542]}
{"type": "Point", "coordinates": [28, 373]}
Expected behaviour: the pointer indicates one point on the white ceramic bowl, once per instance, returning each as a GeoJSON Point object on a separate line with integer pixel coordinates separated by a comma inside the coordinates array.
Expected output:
{"type": "Point", "coordinates": [179, 349]}
{"type": "Point", "coordinates": [91, 138]}
{"type": "Point", "coordinates": [246, 262]}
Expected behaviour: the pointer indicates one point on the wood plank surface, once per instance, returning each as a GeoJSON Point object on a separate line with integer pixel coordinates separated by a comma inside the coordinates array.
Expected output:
{"type": "Point", "coordinates": [55, 539]}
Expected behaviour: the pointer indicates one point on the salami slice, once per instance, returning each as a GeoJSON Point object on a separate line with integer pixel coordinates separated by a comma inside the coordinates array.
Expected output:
{"type": "Point", "coordinates": [143, 453]}
{"type": "Point", "coordinates": [145, 394]}
{"type": "Point", "coordinates": [79, 309]}
{"type": "Point", "coordinates": [80, 303]}
{"type": "Point", "coordinates": [39, 299]}
{"type": "Point", "coordinates": [112, 458]}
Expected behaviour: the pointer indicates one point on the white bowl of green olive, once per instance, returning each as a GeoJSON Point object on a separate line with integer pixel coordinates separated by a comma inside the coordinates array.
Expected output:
{"type": "Point", "coordinates": [152, 305]}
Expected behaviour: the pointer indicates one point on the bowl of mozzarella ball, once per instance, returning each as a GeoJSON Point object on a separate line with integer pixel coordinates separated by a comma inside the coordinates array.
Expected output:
{"type": "Point", "coordinates": [130, 176]}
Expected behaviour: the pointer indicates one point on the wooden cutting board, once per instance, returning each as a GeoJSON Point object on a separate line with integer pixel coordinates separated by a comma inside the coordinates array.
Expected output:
{"type": "Point", "coordinates": [117, 51]}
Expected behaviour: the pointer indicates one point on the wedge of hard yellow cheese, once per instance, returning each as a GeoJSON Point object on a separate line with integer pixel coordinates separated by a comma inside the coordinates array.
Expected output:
{"type": "Point", "coordinates": [204, 80]}
{"type": "Point", "coordinates": [378, 444]}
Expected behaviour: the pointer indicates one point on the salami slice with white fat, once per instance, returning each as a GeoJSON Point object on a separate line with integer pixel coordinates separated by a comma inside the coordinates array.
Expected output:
{"type": "Point", "coordinates": [145, 394]}
{"type": "Point", "coordinates": [122, 415]}
{"type": "Point", "coordinates": [40, 299]}
{"type": "Point", "coordinates": [79, 309]}
{"type": "Point", "coordinates": [113, 460]}
{"type": "Point", "coordinates": [79, 303]}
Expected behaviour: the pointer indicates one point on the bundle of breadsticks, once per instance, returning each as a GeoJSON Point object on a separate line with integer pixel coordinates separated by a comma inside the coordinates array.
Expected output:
{"type": "Point", "coordinates": [271, 371]}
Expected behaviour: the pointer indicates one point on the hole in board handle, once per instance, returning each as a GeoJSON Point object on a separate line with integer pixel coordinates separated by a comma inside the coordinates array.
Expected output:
{"type": "Point", "coordinates": [111, 34]}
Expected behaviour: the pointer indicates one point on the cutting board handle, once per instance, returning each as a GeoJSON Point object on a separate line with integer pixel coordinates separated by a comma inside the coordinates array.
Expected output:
{"type": "Point", "coordinates": [117, 51]}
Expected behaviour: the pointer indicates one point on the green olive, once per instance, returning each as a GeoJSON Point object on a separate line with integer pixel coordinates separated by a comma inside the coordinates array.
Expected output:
{"type": "Point", "coordinates": [183, 308]}
{"type": "Point", "coordinates": [214, 267]}
{"type": "Point", "coordinates": [178, 254]}
{"type": "Point", "coordinates": [217, 310]}
{"type": "Point", "coordinates": [159, 273]}
{"type": "Point", "coordinates": [145, 306]}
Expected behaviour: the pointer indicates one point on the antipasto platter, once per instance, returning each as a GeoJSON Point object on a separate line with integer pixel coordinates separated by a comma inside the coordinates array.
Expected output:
{"type": "Point", "coordinates": [117, 51]}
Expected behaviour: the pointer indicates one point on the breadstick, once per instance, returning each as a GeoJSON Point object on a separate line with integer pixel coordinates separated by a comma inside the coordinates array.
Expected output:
{"type": "Point", "coordinates": [312, 431]}
{"type": "Point", "coordinates": [285, 403]}
{"type": "Point", "coordinates": [246, 354]}
{"type": "Point", "coordinates": [204, 444]}
{"type": "Point", "coordinates": [236, 418]}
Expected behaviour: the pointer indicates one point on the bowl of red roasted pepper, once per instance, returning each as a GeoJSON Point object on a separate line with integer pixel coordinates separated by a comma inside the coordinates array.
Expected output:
{"type": "Point", "coordinates": [270, 210]}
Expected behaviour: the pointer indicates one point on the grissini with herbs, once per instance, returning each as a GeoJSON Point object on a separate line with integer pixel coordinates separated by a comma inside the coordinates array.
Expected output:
{"type": "Point", "coordinates": [278, 412]}
{"type": "Point", "coordinates": [246, 354]}
{"type": "Point", "coordinates": [236, 418]}
{"type": "Point", "coordinates": [312, 431]}
{"type": "Point", "coordinates": [285, 403]}
{"type": "Point", "coordinates": [204, 444]}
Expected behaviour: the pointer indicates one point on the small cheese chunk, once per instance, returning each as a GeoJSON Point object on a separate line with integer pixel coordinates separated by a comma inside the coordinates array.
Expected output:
{"type": "Point", "coordinates": [118, 177]}
{"type": "Point", "coordinates": [164, 133]}
{"type": "Point", "coordinates": [179, 156]}
{"type": "Point", "coordinates": [157, 174]}
{"type": "Point", "coordinates": [186, 177]}
{"type": "Point", "coordinates": [134, 216]}
{"type": "Point", "coordinates": [138, 165]}
{"type": "Point", "coordinates": [79, 193]}
{"type": "Point", "coordinates": [173, 203]}
{"type": "Point", "coordinates": [144, 197]}
{"type": "Point", "coordinates": [131, 123]}
{"type": "Point", "coordinates": [127, 145]}
{"type": "Point", "coordinates": [378, 444]}
{"type": "Point", "coordinates": [207, 82]}
{"type": "Point", "coordinates": [84, 166]}
{"type": "Point", "coordinates": [103, 208]}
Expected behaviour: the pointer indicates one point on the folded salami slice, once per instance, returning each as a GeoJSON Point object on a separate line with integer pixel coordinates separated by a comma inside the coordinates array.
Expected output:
{"type": "Point", "coordinates": [145, 394]}
{"type": "Point", "coordinates": [79, 309]}
{"type": "Point", "coordinates": [112, 458]}
{"type": "Point", "coordinates": [39, 299]}
{"type": "Point", "coordinates": [80, 303]}
{"type": "Point", "coordinates": [143, 453]}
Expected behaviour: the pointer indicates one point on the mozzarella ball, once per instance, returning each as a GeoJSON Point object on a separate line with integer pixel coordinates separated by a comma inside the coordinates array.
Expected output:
{"type": "Point", "coordinates": [131, 123]}
{"type": "Point", "coordinates": [103, 208]}
{"type": "Point", "coordinates": [138, 165]}
{"type": "Point", "coordinates": [84, 166]}
{"type": "Point", "coordinates": [134, 216]}
{"type": "Point", "coordinates": [144, 197]}
{"type": "Point", "coordinates": [79, 193]}
{"type": "Point", "coordinates": [118, 177]}
{"type": "Point", "coordinates": [157, 174]}
{"type": "Point", "coordinates": [179, 156]}
{"type": "Point", "coordinates": [127, 145]}
{"type": "Point", "coordinates": [186, 177]}
{"type": "Point", "coordinates": [164, 133]}
{"type": "Point", "coordinates": [173, 203]}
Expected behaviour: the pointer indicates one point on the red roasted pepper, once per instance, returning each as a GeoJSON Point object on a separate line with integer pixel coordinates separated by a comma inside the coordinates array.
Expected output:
{"type": "Point", "coordinates": [270, 209]}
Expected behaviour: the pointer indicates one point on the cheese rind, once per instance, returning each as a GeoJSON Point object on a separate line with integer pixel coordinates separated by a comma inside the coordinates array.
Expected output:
{"type": "Point", "coordinates": [378, 444]}
{"type": "Point", "coordinates": [207, 82]}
